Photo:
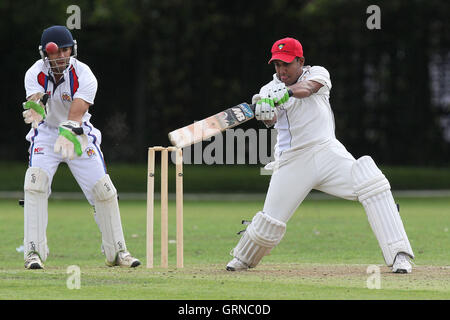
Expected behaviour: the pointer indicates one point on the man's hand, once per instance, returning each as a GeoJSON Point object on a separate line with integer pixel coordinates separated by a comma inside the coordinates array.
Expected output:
{"type": "Point", "coordinates": [35, 109]}
{"type": "Point", "coordinates": [275, 96]}
{"type": "Point", "coordinates": [279, 93]}
{"type": "Point", "coordinates": [268, 123]}
{"type": "Point", "coordinates": [71, 140]}
{"type": "Point", "coordinates": [265, 109]}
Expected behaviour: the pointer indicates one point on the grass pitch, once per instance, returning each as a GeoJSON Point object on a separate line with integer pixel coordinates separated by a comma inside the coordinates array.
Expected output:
{"type": "Point", "coordinates": [325, 254]}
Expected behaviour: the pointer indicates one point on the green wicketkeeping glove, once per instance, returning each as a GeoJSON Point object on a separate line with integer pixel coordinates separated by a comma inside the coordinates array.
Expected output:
{"type": "Point", "coordinates": [35, 111]}
{"type": "Point", "coordinates": [71, 140]}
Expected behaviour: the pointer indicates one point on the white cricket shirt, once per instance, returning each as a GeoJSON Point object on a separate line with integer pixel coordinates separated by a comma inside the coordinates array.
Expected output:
{"type": "Point", "coordinates": [302, 123]}
{"type": "Point", "coordinates": [78, 81]}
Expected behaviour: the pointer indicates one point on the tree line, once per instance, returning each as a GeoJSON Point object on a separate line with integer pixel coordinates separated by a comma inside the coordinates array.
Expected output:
{"type": "Point", "coordinates": [163, 64]}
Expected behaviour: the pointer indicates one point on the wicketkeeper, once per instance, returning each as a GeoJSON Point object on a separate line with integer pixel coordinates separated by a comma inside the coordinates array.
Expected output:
{"type": "Point", "coordinates": [308, 156]}
{"type": "Point", "coordinates": [59, 91]}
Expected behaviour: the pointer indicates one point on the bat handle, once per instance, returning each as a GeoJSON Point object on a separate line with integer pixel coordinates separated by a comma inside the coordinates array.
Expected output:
{"type": "Point", "coordinates": [253, 106]}
{"type": "Point", "coordinates": [44, 99]}
{"type": "Point", "coordinates": [78, 131]}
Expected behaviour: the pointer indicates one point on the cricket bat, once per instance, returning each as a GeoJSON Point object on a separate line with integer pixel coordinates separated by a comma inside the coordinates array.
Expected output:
{"type": "Point", "coordinates": [213, 125]}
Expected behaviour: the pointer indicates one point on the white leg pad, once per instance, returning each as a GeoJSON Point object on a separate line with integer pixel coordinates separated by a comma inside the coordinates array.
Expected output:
{"type": "Point", "coordinates": [36, 212]}
{"type": "Point", "coordinates": [261, 236]}
{"type": "Point", "coordinates": [374, 192]}
{"type": "Point", "coordinates": [108, 217]}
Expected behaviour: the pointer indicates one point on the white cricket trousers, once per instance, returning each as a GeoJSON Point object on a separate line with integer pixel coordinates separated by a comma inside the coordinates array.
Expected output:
{"type": "Point", "coordinates": [325, 167]}
{"type": "Point", "coordinates": [86, 169]}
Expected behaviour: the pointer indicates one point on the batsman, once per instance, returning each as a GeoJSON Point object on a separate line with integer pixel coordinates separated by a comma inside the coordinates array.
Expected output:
{"type": "Point", "coordinates": [60, 90]}
{"type": "Point", "coordinates": [308, 156]}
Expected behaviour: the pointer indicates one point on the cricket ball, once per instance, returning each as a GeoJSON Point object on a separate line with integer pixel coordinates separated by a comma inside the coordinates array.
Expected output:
{"type": "Point", "coordinates": [51, 47]}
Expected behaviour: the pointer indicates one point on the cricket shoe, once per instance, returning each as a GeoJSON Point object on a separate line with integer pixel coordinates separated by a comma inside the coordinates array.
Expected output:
{"type": "Point", "coordinates": [236, 265]}
{"type": "Point", "coordinates": [401, 264]}
{"type": "Point", "coordinates": [124, 259]}
{"type": "Point", "coordinates": [33, 261]}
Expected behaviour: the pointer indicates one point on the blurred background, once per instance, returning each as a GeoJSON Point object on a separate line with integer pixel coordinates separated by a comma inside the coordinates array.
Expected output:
{"type": "Point", "coordinates": [161, 65]}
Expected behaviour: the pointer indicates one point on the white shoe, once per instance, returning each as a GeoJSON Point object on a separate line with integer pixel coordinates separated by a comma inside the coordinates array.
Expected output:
{"type": "Point", "coordinates": [124, 259]}
{"type": "Point", "coordinates": [33, 261]}
{"type": "Point", "coordinates": [236, 265]}
{"type": "Point", "coordinates": [402, 264]}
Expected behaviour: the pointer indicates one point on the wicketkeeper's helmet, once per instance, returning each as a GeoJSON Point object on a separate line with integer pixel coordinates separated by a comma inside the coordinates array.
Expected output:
{"type": "Point", "coordinates": [59, 35]}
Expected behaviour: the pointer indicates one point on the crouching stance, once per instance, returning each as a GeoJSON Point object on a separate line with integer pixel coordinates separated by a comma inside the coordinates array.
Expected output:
{"type": "Point", "coordinates": [59, 91]}
{"type": "Point", "coordinates": [107, 216]}
{"type": "Point", "coordinates": [308, 156]}
{"type": "Point", "coordinates": [108, 220]}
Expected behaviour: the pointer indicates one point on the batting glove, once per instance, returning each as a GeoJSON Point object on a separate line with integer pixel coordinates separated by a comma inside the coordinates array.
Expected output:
{"type": "Point", "coordinates": [279, 93]}
{"type": "Point", "coordinates": [35, 111]}
{"type": "Point", "coordinates": [71, 140]}
{"type": "Point", "coordinates": [265, 109]}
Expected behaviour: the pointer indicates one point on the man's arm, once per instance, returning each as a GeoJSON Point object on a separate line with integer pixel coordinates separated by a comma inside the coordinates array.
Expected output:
{"type": "Point", "coordinates": [278, 94]}
{"type": "Point", "coordinates": [71, 139]}
{"type": "Point", "coordinates": [77, 110]}
{"type": "Point", "coordinates": [304, 89]}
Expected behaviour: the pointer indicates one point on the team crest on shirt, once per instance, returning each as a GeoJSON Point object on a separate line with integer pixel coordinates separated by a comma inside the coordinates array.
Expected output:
{"type": "Point", "coordinates": [66, 97]}
{"type": "Point", "coordinates": [90, 152]}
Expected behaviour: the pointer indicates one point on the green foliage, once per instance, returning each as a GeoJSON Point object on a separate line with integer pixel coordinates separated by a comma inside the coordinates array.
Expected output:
{"type": "Point", "coordinates": [215, 178]}
{"type": "Point", "coordinates": [164, 64]}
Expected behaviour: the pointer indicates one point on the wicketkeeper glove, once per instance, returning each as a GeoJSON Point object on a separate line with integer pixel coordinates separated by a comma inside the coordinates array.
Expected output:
{"type": "Point", "coordinates": [71, 140]}
{"type": "Point", "coordinates": [35, 110]}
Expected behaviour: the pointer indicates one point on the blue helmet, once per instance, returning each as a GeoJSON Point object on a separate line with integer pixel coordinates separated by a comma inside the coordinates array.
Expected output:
{"type": "Point", "coordinates": [59, 35]}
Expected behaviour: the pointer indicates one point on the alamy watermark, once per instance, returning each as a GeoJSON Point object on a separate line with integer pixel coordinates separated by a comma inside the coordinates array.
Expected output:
{"type": "Point", "coordinates": [74, 279]}
{"type": "Point", "coordinates": [234, 146]}
{"type": "Point", "coordinates": [74, 20]}
{"type": "Point", "coordinates": [374, 20]}
{"type": "Point", "coordinates": [374, 280]}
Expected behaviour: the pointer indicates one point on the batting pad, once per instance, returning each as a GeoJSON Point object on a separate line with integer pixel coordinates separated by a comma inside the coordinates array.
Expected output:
{"type": "Point", "coordinates": [108, 217]}
{"type": "Point", "coordinates": [262, 234]}
{"type": "Point", "coordinates": [374, 192]}
{"type": "Point", "coordinates": [35, 212]}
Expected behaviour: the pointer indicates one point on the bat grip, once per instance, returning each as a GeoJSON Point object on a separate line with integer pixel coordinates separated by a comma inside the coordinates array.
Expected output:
{"type": "Point", "coordinates": [44, 99]}
{"type": "Point", "coordinates": [253, 106]}
{"type": "Point", "coordinates": [78, 131]}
